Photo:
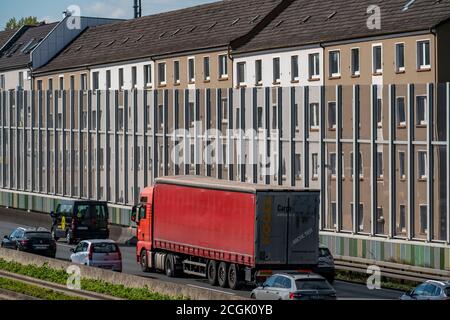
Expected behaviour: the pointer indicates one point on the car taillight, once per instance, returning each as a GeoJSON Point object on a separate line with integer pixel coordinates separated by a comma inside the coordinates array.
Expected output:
{"type": "Point", "coordinates": [91, 252]}
{"type": "Point", "coordinates": [24, 242]}
{"type": "Point", "coordinates": [294, 295]}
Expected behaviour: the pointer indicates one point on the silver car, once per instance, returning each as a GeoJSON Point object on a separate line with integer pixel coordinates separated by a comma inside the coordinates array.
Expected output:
{"type": "Point", "coordinates": [295, 286]}
{"type": "Point", "coordinates": [103, 254]}
{"type": "Point", "coordinates": [429, 290]}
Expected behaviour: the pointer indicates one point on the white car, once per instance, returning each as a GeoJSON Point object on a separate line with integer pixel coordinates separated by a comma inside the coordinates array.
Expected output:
{"type": "Point", "coordinates": [103, 254]}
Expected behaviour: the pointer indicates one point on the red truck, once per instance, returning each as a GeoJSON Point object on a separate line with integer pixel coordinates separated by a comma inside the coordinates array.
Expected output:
{"type": "Point", "coordinates": [226, 231]}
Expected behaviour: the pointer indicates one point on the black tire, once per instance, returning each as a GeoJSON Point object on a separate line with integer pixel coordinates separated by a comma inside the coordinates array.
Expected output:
{"type": "Point", "coordinates": [143, 261]}
{"type": "Point", "coordinates": [234, 277]}
{"type": "Point", "coordinates": [54, 235]}
{"type": "Point", "coordinates": [222, 275]}
{"type": "Point", "coordinates": [211, 272]}
{"type": "Point", "coordinates": [169, 266]}
{"type": "Point", "coordinates": [252, 296]}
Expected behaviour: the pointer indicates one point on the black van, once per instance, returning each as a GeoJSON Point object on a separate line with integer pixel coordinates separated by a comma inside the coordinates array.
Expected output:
{"type": "Point", "coordinates": [80, 220]}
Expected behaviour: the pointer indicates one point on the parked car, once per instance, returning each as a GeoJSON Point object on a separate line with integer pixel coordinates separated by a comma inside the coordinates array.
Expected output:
{"type": "Point", "coordinates": [295, 286]}
{"type": "Point", "coordinates": [80, 220]}
{"type": "Point", "coordinates": [32, 240]}
{"type": "Point", "coordinates": [326, 267]}
{"type": "Point", "coordinates": [429, 290]}
{"type": "Point", "coordinates": [103, 254]}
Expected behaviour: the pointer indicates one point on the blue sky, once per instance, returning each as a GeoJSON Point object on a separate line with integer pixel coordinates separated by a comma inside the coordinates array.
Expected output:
{"type": "Point", "coordinates": [51, 10]}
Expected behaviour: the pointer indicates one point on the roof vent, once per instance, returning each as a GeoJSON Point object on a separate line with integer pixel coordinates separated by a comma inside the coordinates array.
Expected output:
{"type": "Point", "coordinates": [125, 40]}
{"type": "Point", "coordinates": [255, 18]}
{"type": "Point", "coordinates": [140, 37]}
{"type": "Point", "coordinates": [409, 4]}
{"type": "Point", "coordinates": [176, 32]}
{"type": "Point", "coordinates": [192, 29]}
{"type": "Point", "coordinates": [278, 24]}
{"type": "Point", "coordinates": [235, 21]}
{"type": "Point", "coordinates": [162, 34]}
{"type": "Point", "coordinates": [79, 48]}
{"type": "Point", "coordinates": [305, 19]}
{"type": "Point", "coordinates": [111, 43]}
{"type": "Point", "coordinates": [97, 45]}
{"type": "Point", "coordinates": [212, 26]}
{"type": "Point", "coordinates": [331, 15]}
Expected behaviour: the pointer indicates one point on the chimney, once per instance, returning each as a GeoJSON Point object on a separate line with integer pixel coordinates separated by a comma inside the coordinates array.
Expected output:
{"type": "Point", "coordinates": [137, 8]}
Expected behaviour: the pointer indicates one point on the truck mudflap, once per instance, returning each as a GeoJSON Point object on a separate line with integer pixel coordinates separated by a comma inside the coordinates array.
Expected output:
{"type": "Point", "coordinates": [287, 228]}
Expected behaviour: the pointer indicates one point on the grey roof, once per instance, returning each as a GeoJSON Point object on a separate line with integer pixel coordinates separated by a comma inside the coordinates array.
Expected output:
{"type": "Point", "coordinates": [201, 27]}
{"type": "Point", "coordinates": [5, 36]}
{"type": "Point", "coordinates": [15, 56]}
{"type": "Point", "coordinates": [307, 22]}
{"type": "Point", "coordinates": [217, 184]}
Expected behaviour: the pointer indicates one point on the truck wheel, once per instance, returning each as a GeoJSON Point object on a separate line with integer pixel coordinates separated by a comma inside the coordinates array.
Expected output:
{"type": "Point", "coordinates": [143, 261]}
{"type": "Point", "coordinates": [169, 266]}
{"type": "Point", "coordinates": [69, 239]}
{"type": "Point", "coordinates": [211, 272]}
{"type": "Point", "coordinates": [234, 277]}
{"type": "Point", "coordinates": [54, 235]}
{"type": "Point", "coordinates": [222, 275]}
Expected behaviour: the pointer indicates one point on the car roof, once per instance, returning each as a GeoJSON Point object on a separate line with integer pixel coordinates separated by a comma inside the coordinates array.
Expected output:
{"type": "Point", "coordinates": [33, 229]}
{"type": "Point", "coordinates": [442, 284]}
{"type": "Point", "coordinates": [97, 241]}
{"type": "Point", "coordinates": [301, 275]}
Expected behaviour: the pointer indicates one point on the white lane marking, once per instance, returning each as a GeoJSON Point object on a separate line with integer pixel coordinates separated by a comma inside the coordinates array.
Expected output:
{"type": "Point", "coordinates": [219, 291]}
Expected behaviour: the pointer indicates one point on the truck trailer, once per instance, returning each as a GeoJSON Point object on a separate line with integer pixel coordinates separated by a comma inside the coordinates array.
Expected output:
{"type": "Point", "coordinates": [228, 232]}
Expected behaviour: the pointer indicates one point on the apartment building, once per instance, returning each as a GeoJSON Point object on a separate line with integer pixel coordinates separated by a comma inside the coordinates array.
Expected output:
{"type": "Point", "coordinates": [365, 73]}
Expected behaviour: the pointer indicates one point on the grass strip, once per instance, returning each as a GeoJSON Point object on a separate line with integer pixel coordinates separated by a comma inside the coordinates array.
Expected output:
{"type": "Point", "coordinates": [386, 283]}
{"type": "Point", "coordinates": [34, 291]}
{"type": "Point", "coordinates": [46, 273]}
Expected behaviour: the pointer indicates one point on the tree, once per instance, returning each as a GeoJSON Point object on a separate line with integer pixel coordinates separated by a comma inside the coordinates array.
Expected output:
{"type": "Point", "coordinates": [13, 23]}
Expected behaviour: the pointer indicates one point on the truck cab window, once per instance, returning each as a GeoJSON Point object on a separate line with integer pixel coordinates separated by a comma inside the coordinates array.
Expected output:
{"type": "Point", "coordinates": [141, 212]}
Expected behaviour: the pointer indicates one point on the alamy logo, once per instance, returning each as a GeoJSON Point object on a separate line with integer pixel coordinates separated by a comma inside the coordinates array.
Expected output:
{"type": "Point", "coordinates": [74, 280]}
{"type": "Point", "coordinates": [73, 13]}
{"type": "Point", "coordinates": [374, 20]}
{"type": "Point", "coordinates": [374, 281]}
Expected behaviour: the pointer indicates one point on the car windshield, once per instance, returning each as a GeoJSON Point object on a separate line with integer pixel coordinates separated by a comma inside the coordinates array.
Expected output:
{"type": "Point", "coordinates": [39, 235]}
{"type": "Point", "coordinates": [105, 248]}
{"type": "Point", "coordinates": [312, 284]}
{"type": "Point", "coordinates": [447, 291]}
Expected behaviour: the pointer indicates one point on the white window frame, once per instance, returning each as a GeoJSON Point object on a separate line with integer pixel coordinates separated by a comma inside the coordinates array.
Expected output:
{"type": "Point", "coordinates": [361, 206]}
{"type": "Point", "coordinates": [402, 228]}
{"type": "Point", "coordinates": [402, 176]}
{"type": "Point", "coordinates": [148, 67]}
{"type": "Point", "coordinates": [110, 79]}
{"type": "Point", "coordinates": [374, 70]}
{"type": "Point", "coordinates": [332, 127]}
{"type": "Point", "coordinates": [295, 78]}
{"type": "Point", "coordinates": [314, 74]}
{"type": "Point", "coordinates": [352, 169]}
{"type": "Point", "coordinates": [121, 87]}
{"type": "Point", "coordinates": [315, 168]}
{"type": "Point", "coordinates": [381, 176]}
{"type": "Point", "coordinates": [316, 125]}
{"type": "Point", "coordinates": [239, 83]}
{"type": "Point", "coordinates": [83, 75]}
{"type": "Point", "coordinates": [260, 81]}
{"type": "Point", "coordinates": [425, 66]}
{"type": "Point", "coordinates": [162, 83]}
{"type": "Point", "coordinates": [134, 86]}
{"type": "Point", "coordinates": [225, 66]}
{"type": "Point", "coordinates": [425, 164]}
{"type": "Point", "coordinates": [59, 82]}
{"type": "Point", "coordinates": [401, 123]}
{"type": "Point", "coordinates": [298, 174]}
{"type": "Point", "coordinates": [333, 175]}
{"type": "Point", "coordinates": [98, 81]}
{"type": "Point", "coordinates": [191, 80]}
{"type": "Point", "coordinates": [355, 72]}
{"type": "Point", "coordinates": [207, 78]}
{"type": "Point", "coordinates": [424, 121]}
{"type": "Point", "coordinates": [177, 81]}
{"type": "Point", "coordinates": [422, 205]}
{"type": "Point", "coordinates": [276, 80]}
{"type": "Point", "coordinates": [397, 68]}
{"type": "Point", "coordinates": [338, 74]}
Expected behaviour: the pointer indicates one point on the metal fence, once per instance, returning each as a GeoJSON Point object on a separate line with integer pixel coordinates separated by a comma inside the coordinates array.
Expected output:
{"type": "Point", "coordinates": [108, 145]}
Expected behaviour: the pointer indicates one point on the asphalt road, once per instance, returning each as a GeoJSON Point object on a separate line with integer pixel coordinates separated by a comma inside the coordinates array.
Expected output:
{"type": "Point", "coordinates": [11, 219]}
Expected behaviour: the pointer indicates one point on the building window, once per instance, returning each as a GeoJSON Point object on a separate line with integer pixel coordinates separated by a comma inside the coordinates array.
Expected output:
{"type": "Point", "coordinates": [148, 75]}
{"type": "Point", "coordinates": [61, 83]}
{"type": "Point", "coordinates": [258, 71]}
{"type": "Point", "coordinates": [380, 221]}
{"type": "Point", "coordinates": [423, 219]}
{"type": "Point", "coordinates": [355, 62]}
{"type": "Point", "coordinates": [161, 115]}
{"type": "Point", "coordinates": [2, 82]}
{"type": "Point", "coordinates": [241, 73]}
{"type": "Point", "coordinates": [401, 165]}
{"type": "Point", "coordinates": [422, 165]}
{"type": "Point", "coordinates": [238, 118]}
{"type": "Point", "coordinates": [332, 115]}
{"type": "Point", "coordinates": [274, 117]}
{"type": "Point", "coordinates": [72, 82]}
{"type": "Point", "coordinates": [333, 214]}
{"type": "Point", "coordinates": [133, 77]}
{"type": "Point", "coordinates": [20, 80]}
{"type": "Point", "coordinates": [379, 113]}
{"type": "Point", "coordinates": [294, 68]}
{"type": "Point", "coordinates": [39, 85]}
{"type": "Point", "coordinates": [315, 166]}
{"type": "Point", "coordinates": [95, 80]}
{"type": "Point", "coordinates": [108, 79]}
{"type": "Point", "coordinates": [162, 73]}
{"type": "Point", "coordinates": [380, 165]}
{"type": "Point", "coordinates": [223, 66]}
{"type": "Point", "coordinates": [401, 112]}
{"type": "Point", "coordinates": [50, 86]}
{"type": "Point", "coordinates": [260, 117]}
{"type": "Point", "coordinates": [400, 57]}
{"type": "Point", "coordinates": [314, 116]}
{"type": "Point", "coordinates": [276, 71]}
{"type": "Point", "coordinates": [224, 109]}
{"type": "Point", "coordinates": [314, 66]}
{"type": "Point", "coordinates": [421, 118]}
{"type": "Point", "coordinates": [121, 80]}
{"type": "Point", "coordinates": [402, 222]}
{"type": "Point", "coordinates": [335, 63]}
{"type": "Point", "coordinates": [360, 168]}
{"type": "Point", "coordinates": [298, 166]}
{"type": "Point", "coordinates": [423, 55]}
{"type": "Point", "coordinates": [333, 164]}
{"type": "Point", "coordinates": [191, 70]}
{"type": "Point", "coordinates": [360, 215]}
{"type": "Point", "coordinates": [192, 113]}
{"type": "Point", "coordinates": [176, 72]}
{"type": "Point", "coordinates": [207, 75]}
{"type": "Point", "coordinates": [377, 59]}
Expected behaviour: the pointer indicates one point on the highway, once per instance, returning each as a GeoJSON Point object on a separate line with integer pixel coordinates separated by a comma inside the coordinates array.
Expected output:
{"type": "Point", "coordinates": [11, 219]}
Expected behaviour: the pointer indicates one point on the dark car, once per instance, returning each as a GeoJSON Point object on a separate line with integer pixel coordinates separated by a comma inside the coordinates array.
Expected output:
{"type": "Point", "coordinates": [32, 240]}
{"type": "Point", "coordinates": [325, 266]}
{"type": "Point", "coordinates": [80, 220]}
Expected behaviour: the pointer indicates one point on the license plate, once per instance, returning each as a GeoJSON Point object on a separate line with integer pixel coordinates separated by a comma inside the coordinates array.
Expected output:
{"type": "Point", "coordinates": [82, 228]}
{"type": "Point", "coordinates": [40, 247]}
{"type": "Point", "coordinates": [106, 267]}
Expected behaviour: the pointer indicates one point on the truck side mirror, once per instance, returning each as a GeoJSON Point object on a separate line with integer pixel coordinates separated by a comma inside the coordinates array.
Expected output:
{"type": "Point", "coordinates": [52, 214]}
{"type": "Point", "coordinates": [134, 214]}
